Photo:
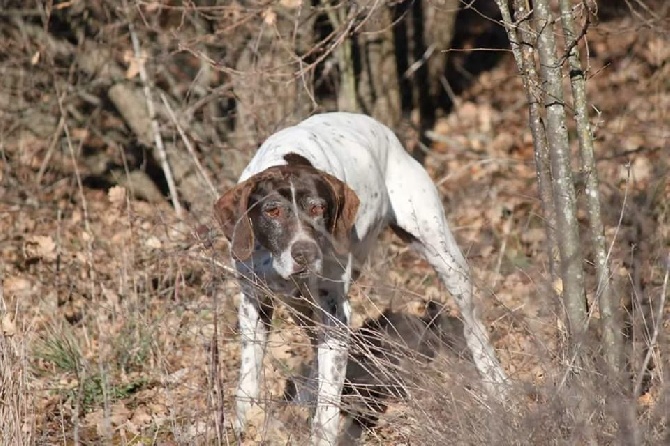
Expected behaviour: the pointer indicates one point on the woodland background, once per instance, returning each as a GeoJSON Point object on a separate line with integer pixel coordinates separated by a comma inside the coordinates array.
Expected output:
{"type": "Point", "coordinates": [121, 122]}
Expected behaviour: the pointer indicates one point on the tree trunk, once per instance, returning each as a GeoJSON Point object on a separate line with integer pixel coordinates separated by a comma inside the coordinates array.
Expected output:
{"type": "Point", "coordinates": [569, 247]}
{"type": "Point", "coordinates": [551, 137]}
{"type": "Point", "coordinates": [347, 99]}
{"type": "Point", "coordinates": [608, 304]}
{"type": "Point", "coordinates": [439, 20]}
{"type": "Point", "coordinates": [378, 88]}
{"type": "Point", "coordinates": [522, 47]}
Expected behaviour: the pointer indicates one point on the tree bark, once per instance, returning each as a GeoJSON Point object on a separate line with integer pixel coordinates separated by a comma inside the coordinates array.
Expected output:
{"type": "Point", "coordinates": [522, 43]}
{"type": "Point", "coordinates": [608, 304]}
{"type": "Point", "coordinates": [552, 149]}
{"type": "Point", "coordinates": [347, 99]}
{"type": "Point", "coordinates": [378, 88]}
{"type": "Point", "coordinates": [572, 271]}
{"type": "Point", "coordinates": [439, 18]}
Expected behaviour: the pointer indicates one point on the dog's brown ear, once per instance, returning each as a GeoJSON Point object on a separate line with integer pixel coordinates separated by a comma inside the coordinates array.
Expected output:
{"type": "Point", "coordinates": [346, 208]}
{"type": "Point", "coordinates": [231, 211]}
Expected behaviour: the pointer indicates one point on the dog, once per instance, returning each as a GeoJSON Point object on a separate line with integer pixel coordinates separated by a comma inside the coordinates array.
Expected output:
{"type": "Point", "coordinates": [301, 222]}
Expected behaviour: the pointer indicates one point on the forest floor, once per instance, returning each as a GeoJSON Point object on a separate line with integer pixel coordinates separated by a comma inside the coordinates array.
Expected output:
{"type": "Point", "coordinates": [111, 307]}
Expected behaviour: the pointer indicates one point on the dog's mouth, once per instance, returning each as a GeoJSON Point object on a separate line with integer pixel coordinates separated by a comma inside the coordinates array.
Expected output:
{"type": "Point", "coordinates": [304, 271]}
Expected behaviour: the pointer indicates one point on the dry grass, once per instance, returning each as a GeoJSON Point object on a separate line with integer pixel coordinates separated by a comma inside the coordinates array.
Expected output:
{"type": "Point", "coordinates": [118, 319]}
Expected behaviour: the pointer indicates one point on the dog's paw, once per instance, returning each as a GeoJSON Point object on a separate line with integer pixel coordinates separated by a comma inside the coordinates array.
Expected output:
{"type": "Point", "coordinates": [249, 422]}
{"type": "Point", "coordinates": [238, 429]}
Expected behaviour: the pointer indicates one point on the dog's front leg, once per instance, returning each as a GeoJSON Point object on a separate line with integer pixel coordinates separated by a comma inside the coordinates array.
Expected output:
{"type": "Point", "coordinates": [332, 355]}
{"type": "Point", "coordinates": [255, 316]}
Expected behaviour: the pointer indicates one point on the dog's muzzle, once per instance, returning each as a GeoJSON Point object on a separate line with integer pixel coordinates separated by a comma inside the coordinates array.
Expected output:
{"type": "Point", "coordinates": [306, 255]}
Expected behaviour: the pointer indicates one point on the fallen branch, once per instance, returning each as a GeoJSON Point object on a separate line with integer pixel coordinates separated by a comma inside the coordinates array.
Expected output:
{"type": "Point", "coordinates": [189, 147]}
{"type": "Point", "coordinates": [155, 128]}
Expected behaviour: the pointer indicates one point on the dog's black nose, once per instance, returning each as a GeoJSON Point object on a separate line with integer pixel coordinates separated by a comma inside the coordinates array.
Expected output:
{"type": "Point", "coordinates": [304, 253]}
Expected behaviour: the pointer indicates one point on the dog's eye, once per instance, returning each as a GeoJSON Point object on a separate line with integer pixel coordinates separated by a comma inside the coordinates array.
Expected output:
{"type": "Point", "coordinates": [316, 210]}
{"type": "Point", "coordinates": [273, 212]}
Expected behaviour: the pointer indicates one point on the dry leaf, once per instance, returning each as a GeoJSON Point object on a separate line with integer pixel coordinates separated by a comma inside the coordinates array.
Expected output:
{"type": "Point", "coordinates": [255, 416]}
{"type": "Point", "coordinates": [117, 195]}
{"type": "Point", "coordinates": [141, 416]}
{"type": "Point", "coordinates": [175, 377]}
{"type": "Point", "coordinates": [291, 4]}
{"type": "Point", "coordinates": [40, 247]}
{"type": "Point", "coordinates": [8, 325]}
{"type": "Point", "coordinates": [278, 348]}
{"type": "Point", "coordinates": [416, 307]}
{"type": "Point", "coordinates": [140, 419]}
{"type": "Point", "coordinates": [35, 59]}
{"type": "Point", "coordinates": [94, 418]}
{"type": "Point", "coordinates": [17, 286]}
{"type": "Point", "coordinates": [105, 423]}
{"type": "Point", "coordinates": [657, 52]}
{"type": "Point", "coordinates": [151, 7]}
{"type": "Point", "coordinates": [119, 414]}
{"type": "Point", "coordinates": [558, 286]}
{"type": "Point", "coordinates": [63, 5]}
{"type": "Point", "coordinates": [533, 235]}
{"type": "Point", "coordinates": [640, 169]}
{"type": "Point", "coordinates": [80, 133]}
{"type": "Point", "coordinates": [269, 17]}
{"type": "Point", "coordinates": [135, 64]}
{"type": "Point", "coordinates": [153, 242]}
{"type": "Point", "coordinates": [645, 400]}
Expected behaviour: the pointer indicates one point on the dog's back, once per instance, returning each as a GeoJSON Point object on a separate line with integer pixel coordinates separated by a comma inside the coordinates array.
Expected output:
{"type": "Point", "coordinates": [349, 146]}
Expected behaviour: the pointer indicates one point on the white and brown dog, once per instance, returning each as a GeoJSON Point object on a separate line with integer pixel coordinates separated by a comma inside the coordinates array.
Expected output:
{"type": "Point", "coordinates": [302, 220]}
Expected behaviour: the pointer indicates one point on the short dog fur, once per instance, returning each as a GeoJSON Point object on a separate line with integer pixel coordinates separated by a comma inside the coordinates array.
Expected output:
{"type": "Point", "coordinates": [302, 220]}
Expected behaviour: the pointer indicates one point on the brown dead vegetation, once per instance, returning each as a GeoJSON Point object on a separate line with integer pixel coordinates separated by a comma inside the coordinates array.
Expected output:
{"type": "Point", "coordinates": [118, 315]}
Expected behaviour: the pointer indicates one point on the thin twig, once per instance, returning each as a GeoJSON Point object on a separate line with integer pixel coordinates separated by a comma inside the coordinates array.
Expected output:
{"type": "Point", "coordinates": [605, 294]}
{"type": "Point", "coordinates": [654, 337]}
{"type": "Point", "coordinates": [155, 128]}
{"type": "Point", "coordinates": [51, 149]}
{"type": "Point", "coordinates": [82, 195]}
{"type": "Point", "coordinates": [507, 229]}
{"type": "Point", "coordinates": [189, 146]}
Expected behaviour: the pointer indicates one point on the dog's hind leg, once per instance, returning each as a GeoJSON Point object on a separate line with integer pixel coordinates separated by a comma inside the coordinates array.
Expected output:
{"type": "Point", "coordinates": [255, 316]}
{"type": "Point", "coordinates": [418, 217]}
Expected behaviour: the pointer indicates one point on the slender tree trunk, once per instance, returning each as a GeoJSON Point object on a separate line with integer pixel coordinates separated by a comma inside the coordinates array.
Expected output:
{"type": "Point", "coordinates": [607, 302]}
{"type": "Point", "coordinates": [572, 271]}
{"type": "Point", "coordinates": [378, 87]}
{"type": "Point", "coordinates": [439, 26]}
{"type": "Point", "coordinates": [522, 43]}
{"type": "Point", "coordinates": [533, 32]}
{"type": "Point", "coordinates": [346, 96]}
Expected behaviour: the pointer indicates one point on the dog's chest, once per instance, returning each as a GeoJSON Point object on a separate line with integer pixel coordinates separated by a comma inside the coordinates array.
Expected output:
{"type": "Point", "coordinates": [259, 271]}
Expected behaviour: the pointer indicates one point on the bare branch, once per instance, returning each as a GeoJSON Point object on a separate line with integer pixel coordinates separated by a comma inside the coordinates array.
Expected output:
{"type": "Point", "coordinates": [155, 127]}
{"type": "Point", "coordinates": [658, 323]}
{"type": "Point", "coordinates": [189, 147]}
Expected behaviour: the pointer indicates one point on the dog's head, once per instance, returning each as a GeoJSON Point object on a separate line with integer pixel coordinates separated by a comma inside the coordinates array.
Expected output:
{"type": "Point", "coordinates": [293, 211]}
